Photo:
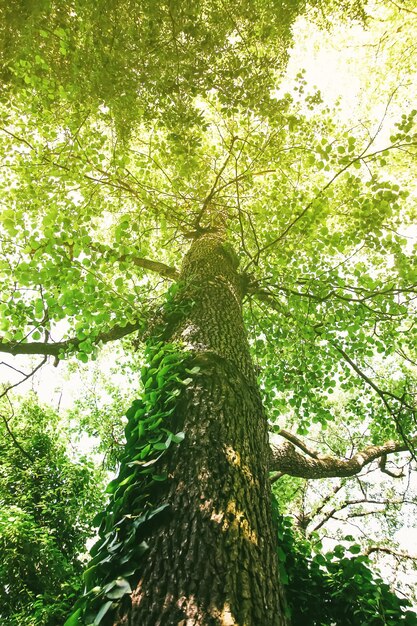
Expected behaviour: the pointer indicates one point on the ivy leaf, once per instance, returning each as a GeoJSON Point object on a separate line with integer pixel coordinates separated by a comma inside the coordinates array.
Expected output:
{"type": "Point", "coordinates": [160, 477]}
{"type": "Point", "coordinates": [102, 612]}
{"type": "Point", "coordinates": [121, 587]}
{"type": "Point", "coordinates": [74, 619]}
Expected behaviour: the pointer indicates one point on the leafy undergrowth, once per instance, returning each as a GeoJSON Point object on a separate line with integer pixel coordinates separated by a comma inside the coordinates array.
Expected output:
{"type": "Point", "coordinates": [336, 588]}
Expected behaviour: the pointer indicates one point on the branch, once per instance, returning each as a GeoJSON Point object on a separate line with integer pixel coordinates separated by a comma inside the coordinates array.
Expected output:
{"type": "Point", "coordinates": [268, 295]}
{"type": "Point", "coordinates": [155, 266]}
{"type": "Point", "coordinates": [287, 460]}
{"type": "Point", "coordinates": [391, 552]}
{"type": "Point", "coordinates": [56, 349]}
{"type": "Point", "coordinates": [308, 517]}
{"type": "Point", "coordinates": [15, 441]}
{"type": "Point", "coordinates": [213, 189]}
{"type": "Point", "coordinates": [357, 159]}
{"type": "Point", "coordinates": [4, 394]}
{"type": "Point", "coordinates": [344, 505]}
{"type": "Point", "coordinates": [385, 395]}
{"type": "Point", "coordinates": [400, 8]}
{"type": "Point", "coordinates": [301, 214]}
{"type": "Point", "coordinates": [26, 377]}
{"type": "Point", "coordinates": [297, 442]}
{"type": "Point", "coordinates": [382, 466]}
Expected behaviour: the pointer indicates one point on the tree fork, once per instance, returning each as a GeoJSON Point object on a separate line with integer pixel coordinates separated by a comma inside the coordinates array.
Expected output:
{"type": "Point", "coordinates": [213, 561]}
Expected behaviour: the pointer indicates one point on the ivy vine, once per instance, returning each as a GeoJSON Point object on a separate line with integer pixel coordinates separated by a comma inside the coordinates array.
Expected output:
{"type": "Point", "coordinates": [136, 495]}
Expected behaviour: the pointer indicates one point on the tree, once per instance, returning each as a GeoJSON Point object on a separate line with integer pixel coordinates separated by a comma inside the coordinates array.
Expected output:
{"type": "Point", "coordinates": [47, 503]}
{"type": "Point", "coordinates": [148, 146]}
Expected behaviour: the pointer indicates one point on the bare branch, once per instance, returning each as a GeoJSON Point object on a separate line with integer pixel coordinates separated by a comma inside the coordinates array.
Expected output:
{"type": "Point", "coordinates": [287, 460]}
{"type": "Point", "coordinates": [383, 468]}
{"type": "Point", "coordinates": [344, 505]}
{"type": "Point", "coordinates": [308, 517]}
{"type": "Point", "coordinates": [297, 442]}
{"type": "Point", "coordinates": [60, 347]}
{"type": "Point", "coordinates": [155, 266]}
{"type": "Point", "coordinates": [213, 189]}
{"type": "Point", "coordinates": [15, 441]}
{"type": "Point", "coordinates": [391, 552]}
{"type": "Point", "coordinates": [386, 397]}
{"type": "Point", "coordinates": [4, 394]}
{"type": "Point", "coordinates": [26, 377]}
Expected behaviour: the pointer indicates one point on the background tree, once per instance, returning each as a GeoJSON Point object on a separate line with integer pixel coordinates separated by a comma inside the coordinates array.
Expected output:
{"type": "Point", "coordinates": [47, 501]}
{"type": "Point", "coordinates": [162, 152]}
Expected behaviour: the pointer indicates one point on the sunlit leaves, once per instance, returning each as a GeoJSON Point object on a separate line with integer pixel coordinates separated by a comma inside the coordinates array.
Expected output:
{"type": "Point", "coordinates": [153, 66]}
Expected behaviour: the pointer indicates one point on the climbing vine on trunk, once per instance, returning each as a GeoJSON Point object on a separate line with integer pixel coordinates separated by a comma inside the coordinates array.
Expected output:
{"type": "Point", "coordinates": [137, 494]}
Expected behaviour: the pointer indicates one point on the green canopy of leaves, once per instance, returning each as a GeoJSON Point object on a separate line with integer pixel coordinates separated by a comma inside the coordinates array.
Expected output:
{"type": "Point", "coordinates": [126, 128]}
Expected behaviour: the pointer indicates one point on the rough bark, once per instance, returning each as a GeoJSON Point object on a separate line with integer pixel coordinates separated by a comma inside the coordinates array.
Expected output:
{"type": "Point", "coordinates": [285, 459]}
{"type": "Point", "coordinates": [213, 560]}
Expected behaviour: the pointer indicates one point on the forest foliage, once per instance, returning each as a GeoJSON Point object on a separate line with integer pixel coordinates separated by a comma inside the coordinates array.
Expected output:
{"type": "Point", "coordinates": [48, 500]}
{"type": "Point", "coordinates": [125, 127]}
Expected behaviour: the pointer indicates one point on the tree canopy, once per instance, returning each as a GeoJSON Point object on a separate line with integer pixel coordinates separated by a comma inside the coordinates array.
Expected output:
{"type": "Point", "coordinates": [128, 130]}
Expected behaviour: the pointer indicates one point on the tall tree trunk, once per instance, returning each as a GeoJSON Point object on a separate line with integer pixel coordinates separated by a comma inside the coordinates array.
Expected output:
{"type": "Point", "coordinates": [213, 561]}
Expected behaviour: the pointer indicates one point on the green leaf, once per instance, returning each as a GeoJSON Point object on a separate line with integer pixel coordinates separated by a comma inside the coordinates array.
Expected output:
{"type": "Point", "coordinates": [102, 612]}
{"type": "Point", "coordinates": [81, 356]}
{"type": "Point", "coordinates": [145, 451]}
{"type": "Point", "coordinates": [160, 446]}
{"type": "Point", "coordinates": [121, 588]}
{"type": "Point", "coordinates": [158, 510]}
{"type": "Point", "coordinates": [88, 576]}
{"type": "Point", "coordinates": [178, 437]}
{"type": "Point", "coordinates": [160, 477]}
{"type": "Point", "coordinates": [74, 619]}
